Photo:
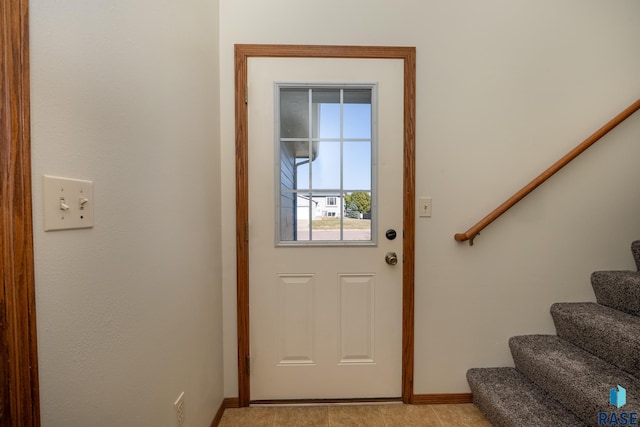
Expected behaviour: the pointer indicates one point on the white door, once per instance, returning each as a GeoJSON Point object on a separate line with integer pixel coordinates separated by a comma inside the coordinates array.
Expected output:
{"type": "Point", "coordinates": [325, 140]}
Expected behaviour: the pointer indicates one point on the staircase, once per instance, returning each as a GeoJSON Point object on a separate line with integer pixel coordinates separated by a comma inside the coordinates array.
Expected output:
{"type": "Point", "coordinates": [565, 379]}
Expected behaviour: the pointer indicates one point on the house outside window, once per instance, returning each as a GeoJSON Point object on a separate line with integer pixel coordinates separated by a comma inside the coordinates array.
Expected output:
{"type": "Point", "coordinates": [325, 151]}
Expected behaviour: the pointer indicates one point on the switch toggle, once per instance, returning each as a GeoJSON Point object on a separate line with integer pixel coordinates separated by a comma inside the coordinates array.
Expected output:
{"type": "Point", "coordinates": [424, 207]}
{"type": "Point", "coordinates": [60, 210]}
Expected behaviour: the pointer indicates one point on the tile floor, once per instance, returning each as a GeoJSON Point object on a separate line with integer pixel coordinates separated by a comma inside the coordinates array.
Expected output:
{"type": "Point", "coordinates": [391, 415]}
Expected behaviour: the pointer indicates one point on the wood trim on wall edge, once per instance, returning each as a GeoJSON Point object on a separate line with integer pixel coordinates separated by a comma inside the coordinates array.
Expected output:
{"type": "Point", "coordinates": [442, 399]}
{"type": "Point", "coordinates": [231, 402]}
{"type": "Point", "coordinates": [227, 403]}
{"type": "Point", "coordinates": [16, 247]}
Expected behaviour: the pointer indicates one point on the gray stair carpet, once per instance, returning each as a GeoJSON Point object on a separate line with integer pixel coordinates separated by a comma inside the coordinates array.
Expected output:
{"type": "Point", "coordinates": [507, 398]}
{"type": "Point", "coordinates": [575, 378]}
{"type": "Point", "coordinates": [610, 334]}
{"type": "Point", "coordinates": [618, 289]}
{"type": "Point", "coordinates": [566, 379]}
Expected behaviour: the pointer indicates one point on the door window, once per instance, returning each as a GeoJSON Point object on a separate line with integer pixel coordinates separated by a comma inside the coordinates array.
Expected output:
{"type": "Point", "coordinates": [326, 157]}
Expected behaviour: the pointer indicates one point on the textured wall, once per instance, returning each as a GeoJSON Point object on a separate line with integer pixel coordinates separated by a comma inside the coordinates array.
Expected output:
{"type": "Point", "coordinates": [125, 93]}
{"type": "Point", "coordinates": [504, 89]}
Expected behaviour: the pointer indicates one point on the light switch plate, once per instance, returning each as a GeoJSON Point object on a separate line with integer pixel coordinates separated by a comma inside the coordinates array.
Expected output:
{"type": "Point", "coordinates": [424, 207]}
{"type": "Point", "coordinates": [68, 203]}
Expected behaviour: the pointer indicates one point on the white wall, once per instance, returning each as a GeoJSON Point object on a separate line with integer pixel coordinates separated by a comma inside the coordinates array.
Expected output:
{"type": "Point", "coordinates": [504, 89]}
{"type": "Point", "coordinates": [125, 93]}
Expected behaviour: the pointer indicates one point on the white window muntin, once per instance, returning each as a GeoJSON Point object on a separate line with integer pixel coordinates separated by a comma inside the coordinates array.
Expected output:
{"type": "Point", "coordinates": [327, 191]}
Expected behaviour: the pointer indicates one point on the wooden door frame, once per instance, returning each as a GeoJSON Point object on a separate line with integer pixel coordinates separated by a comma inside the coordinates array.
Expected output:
{"type": "Point", "coordinates": [242, 54]}
{"type": "Point", "coordinates": [19, 391]}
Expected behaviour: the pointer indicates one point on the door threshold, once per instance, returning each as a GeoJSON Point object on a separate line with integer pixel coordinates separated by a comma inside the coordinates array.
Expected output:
{"type": "Point", "coordinates": [328, 402]}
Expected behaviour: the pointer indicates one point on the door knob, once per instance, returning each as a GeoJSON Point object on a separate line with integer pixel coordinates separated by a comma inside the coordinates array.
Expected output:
{"type": "Point", "coordinates": [391, 258]}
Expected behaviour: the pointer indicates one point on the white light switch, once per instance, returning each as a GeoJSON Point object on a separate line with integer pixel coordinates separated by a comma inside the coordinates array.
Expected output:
{"type": "Point", "coordinates": [68, 203]}
{"type": "Point", "coordinates": [424, 206]}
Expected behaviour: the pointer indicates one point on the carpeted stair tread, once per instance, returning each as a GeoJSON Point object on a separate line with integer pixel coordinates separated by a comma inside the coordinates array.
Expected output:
{"type": "Point", "coordinates": [578, 380]}
{"type": "Point", "coordinates": [508, 399]}
{"type": "Point", "coordinates": [610, 334]}
{"type": "Point", "coordinates": [618, 289]}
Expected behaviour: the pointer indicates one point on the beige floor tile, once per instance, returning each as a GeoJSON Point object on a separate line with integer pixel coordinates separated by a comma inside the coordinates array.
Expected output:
{"type": "Point", "coordinates": [355, 416]}
{"type": "Point", "coordinates": [466, 415]}
{"type": "Point", "coordinates": [409, 415]}
{"type": "Point", "coordinates": [248, 417]}
{"type": "Point", "coordinates": [302, 416]}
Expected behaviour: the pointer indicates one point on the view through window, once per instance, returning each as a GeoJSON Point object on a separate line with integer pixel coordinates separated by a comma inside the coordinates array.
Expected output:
{"type": "Point", "coordinates": [326, 140]}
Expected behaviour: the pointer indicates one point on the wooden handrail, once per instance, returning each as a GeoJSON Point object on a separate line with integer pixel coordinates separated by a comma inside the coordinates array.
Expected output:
{"type": "Point", "coordinates": [471, 233]}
